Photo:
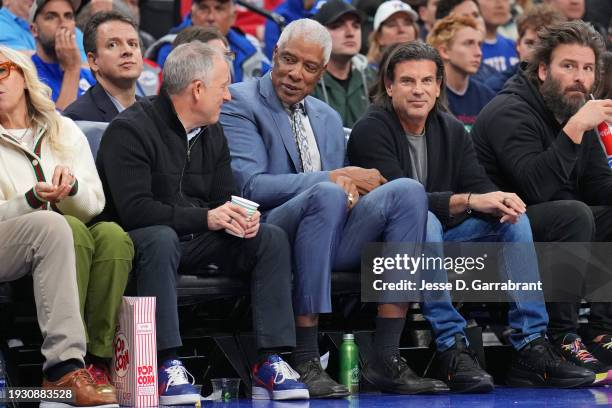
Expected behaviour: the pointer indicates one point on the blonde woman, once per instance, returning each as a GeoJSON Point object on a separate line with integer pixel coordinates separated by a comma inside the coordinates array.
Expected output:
{"type": "Point", "coordinates": [46, 165]}
{"type": "Point", "coordinates": [394, 22]}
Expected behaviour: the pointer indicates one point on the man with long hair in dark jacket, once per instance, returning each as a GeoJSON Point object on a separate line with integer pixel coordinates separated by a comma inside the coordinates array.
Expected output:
{"type": "Point", "coordinates": [406, 133]}
{"type": "Point", "coordinates": [537, 138]}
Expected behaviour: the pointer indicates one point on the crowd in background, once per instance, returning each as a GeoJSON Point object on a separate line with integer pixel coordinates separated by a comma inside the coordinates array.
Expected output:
{"type": "Point", "coordinates": [508, 29]}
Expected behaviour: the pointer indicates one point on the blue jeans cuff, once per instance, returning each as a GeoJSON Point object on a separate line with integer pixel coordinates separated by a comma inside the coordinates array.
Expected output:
{"type": "Point", "coordinates": [524, 341]}
{"type": "Point", "coordinates": [450, 342]}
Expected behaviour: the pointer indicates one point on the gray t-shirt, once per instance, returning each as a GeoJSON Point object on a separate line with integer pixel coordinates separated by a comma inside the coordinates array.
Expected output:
{"type": "Point", "coordinates": [418, 157]}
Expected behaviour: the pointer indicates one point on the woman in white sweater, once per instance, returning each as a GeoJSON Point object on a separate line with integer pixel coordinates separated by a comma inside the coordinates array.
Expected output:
{"type": "Point", "coordinates": [46, 165]}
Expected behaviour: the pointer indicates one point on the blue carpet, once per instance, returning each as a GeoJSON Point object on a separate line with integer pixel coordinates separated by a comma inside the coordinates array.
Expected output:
{"type": "Point", "coordinates": [500, 398]}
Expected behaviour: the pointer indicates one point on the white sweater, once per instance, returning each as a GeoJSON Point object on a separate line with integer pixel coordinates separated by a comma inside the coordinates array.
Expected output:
{"type": "Point", "coordinates": [18, 176]}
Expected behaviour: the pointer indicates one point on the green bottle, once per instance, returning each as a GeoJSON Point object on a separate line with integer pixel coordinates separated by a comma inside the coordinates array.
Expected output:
{"type": "Point", "coordinates": [349, 363]}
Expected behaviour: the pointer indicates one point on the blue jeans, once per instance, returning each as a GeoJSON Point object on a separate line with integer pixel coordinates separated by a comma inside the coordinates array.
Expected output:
{"type": "Point", "coordinates": [325, 235]}
{"type": "Point", "coordinates": [528, 318]}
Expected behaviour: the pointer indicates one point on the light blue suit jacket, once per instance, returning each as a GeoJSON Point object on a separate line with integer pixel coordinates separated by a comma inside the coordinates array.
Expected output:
{"type": "Point", "coordinates": [265, 158]}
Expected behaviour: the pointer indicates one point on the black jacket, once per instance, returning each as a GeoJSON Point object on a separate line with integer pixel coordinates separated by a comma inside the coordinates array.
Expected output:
{"type": "Point", "coordinates": [151, 176]}
{"type": "Point", "coordinates": [378, 141]}
{"type": "Point", "coordinates": [94, 105]}
{"type": "Point", "coordinates": [524, 149]}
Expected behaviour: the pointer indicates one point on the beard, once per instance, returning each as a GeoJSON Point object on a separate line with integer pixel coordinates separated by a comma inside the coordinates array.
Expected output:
{"type": "Point", "coordinates": [48, 46]}
{"type": "Point", "coordinates": [560, 104]}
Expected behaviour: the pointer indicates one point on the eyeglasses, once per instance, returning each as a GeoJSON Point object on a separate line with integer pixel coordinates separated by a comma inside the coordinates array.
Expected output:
{"type": "Point", "coordinates": [5, 69]}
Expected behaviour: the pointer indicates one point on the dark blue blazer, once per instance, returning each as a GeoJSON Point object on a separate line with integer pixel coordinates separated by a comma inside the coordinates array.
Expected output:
{"type": "Point", "coordinates": [94, 106]}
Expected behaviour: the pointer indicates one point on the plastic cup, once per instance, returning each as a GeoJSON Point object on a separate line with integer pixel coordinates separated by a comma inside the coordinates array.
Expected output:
{"type": "Point", "coordinates": [225, 389]}
{"type": "Point", "coordinates": [249, 205]}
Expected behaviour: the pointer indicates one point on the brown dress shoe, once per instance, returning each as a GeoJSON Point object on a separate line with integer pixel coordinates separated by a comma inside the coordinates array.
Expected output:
{"type": "Point", "coordinates": [101, 377]}
{"type": "Point", "coordinates": [86, 392]}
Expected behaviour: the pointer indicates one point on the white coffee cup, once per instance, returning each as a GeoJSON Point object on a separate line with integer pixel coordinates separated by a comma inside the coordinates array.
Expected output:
{"type": "Point", "coordinates": [249, 205]}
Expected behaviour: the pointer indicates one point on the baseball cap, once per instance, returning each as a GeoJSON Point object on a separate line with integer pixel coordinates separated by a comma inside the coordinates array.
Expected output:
{"type": "Point", "coordinates": [38, 4]}
{"type": "Point", "coordinates": [328, 11]}
{"type": "Point", "coordinates": [388, 8]}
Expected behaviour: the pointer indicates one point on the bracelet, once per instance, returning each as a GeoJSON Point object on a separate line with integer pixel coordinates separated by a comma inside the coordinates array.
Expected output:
{"type": "Point", "coordinates": [468, 209]}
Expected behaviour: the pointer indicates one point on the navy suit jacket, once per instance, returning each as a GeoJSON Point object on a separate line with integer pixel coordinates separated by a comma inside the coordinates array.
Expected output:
{"type": "Point", "coordinates": [94, 105]}
{"type": "Point", "coordinates": [265, 159]}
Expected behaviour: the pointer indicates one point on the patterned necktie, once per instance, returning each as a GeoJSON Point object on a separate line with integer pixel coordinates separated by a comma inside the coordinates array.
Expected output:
{"type": "Point", "coordinates": [301, 141]}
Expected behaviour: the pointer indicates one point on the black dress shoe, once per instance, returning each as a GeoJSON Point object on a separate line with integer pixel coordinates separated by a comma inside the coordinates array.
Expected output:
{"type": "Point", "coordinates": [319, 383]}
{"type": "Point", "coordinates": [392, 374]}
{"type": "Point", "coordinates": [458, 367]}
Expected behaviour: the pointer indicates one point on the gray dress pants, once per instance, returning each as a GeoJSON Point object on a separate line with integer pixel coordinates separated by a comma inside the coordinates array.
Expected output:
{"type": "Point", "coordinates": [40, 243]}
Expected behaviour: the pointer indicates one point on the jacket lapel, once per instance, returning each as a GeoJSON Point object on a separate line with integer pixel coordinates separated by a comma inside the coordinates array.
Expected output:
{"type": "Point", "coordinates": [103, 103]}
{"type": "Point", "coordinates": [281, 119]}
{"type": "Point", "coordinates": [434, 145]}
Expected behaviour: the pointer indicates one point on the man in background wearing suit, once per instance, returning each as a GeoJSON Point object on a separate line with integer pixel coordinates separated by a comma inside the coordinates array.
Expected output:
{"type": "Point", "coordinates": [113, 52]}
{"type": "Point", "coordinates": [288, 155]}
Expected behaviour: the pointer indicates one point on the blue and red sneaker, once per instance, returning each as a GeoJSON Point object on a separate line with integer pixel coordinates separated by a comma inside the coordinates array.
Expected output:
{"type": "Point", "coordinates": [274, 379]}
{"type": "Point", "coordinates": [175, 388]}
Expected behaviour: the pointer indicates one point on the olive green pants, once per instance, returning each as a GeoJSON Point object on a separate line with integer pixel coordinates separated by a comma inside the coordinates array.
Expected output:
{"type": "Point", "coordinates": [104, 254]}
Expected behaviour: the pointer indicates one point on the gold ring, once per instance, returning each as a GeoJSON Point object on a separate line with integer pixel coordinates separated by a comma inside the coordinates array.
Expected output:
{"type": "Point", "coordinates": [350, 198]}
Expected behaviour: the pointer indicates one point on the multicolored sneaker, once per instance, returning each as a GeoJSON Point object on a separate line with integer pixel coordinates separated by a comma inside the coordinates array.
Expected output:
{"type": "Point", "coordinates": [175, 388]}
{"type": "Point", "coordinates": [274, 379]}
{"type": "Point", "coordinates": [601, 347]}
{"type": "Point", "coordinates": [574, 350]}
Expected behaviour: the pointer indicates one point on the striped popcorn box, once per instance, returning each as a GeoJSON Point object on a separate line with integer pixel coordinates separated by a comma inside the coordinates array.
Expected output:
{"type": "Point", "coordinates": [134, 365]}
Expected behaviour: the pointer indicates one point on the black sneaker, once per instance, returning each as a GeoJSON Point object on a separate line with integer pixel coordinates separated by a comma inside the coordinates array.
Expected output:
{"type": "Point", "coordinates": [392, 374]}
{"type": "Point", "coordinates": [319, 383]}
{"type": "Point", "coordinates": [458, 367]}
{"type": "Point", "coordinates": [574, 350]}
{"type": "Point", "coordinates": [538, 364]}
{"type": "Point", "coordinates": [601, 347]}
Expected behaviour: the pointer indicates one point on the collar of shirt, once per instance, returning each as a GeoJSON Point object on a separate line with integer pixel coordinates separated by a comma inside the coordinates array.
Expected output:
{"type": "Point", "coordinates": [115, 101]}
{"type": "Point", "coordinates": [193, 133]}
{"type": "Point", "coordinates": [300, 106]}
{"type": "Point", "coordinates": [23, 23]}
{"type": "Point", "coordinates": [416, 134]}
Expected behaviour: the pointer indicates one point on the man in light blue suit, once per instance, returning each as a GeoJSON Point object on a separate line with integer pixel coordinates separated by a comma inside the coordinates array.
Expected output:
{"type": "Point", "coordinates": [288, 155]}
